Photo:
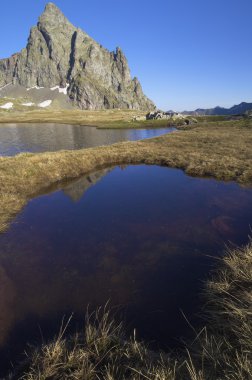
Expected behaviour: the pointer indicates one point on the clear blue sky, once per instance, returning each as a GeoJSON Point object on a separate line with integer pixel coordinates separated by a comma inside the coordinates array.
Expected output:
{"type": "Point", "coordinates": [186, 53]}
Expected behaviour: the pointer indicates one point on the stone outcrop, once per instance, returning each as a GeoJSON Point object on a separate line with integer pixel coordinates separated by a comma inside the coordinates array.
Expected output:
{"type": "Point", "coordinates": [171, 116]}
{"type": "Point", "coordinates": [155, 115]}
{"type": "Point", "coordinates": [59, 54]}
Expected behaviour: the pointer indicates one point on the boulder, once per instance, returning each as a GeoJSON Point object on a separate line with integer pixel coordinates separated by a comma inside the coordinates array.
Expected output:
{"type": "Point", "coordinates": [155, 115]}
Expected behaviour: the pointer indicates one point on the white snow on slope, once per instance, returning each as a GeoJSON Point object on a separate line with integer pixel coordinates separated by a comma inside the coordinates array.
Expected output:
{"type": "Point", "coordinates": [34, 87]}
{"type": "Point", "coordinates": [27, 104]}
{"type": "Point", "coordinates": [45, 104]}
{"type": "Point", "coordinates": [62, 90]}
{"type": "Point", "coordinates": [7, 106]}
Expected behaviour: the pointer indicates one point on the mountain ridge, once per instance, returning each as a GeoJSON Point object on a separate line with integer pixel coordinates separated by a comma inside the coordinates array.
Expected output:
{"type": "Point", "coordinates": [59, 54]}
{"type": "Point", "coordinates": [234, 110]}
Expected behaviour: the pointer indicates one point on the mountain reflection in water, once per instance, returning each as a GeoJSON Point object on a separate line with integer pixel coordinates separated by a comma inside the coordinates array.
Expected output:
{"type": "Point", "coordinates": [141, 237]}
{"type": "Point", "coordinates": [42, 137]}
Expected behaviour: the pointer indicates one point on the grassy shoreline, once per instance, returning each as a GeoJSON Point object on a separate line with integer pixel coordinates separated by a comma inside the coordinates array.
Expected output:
{"type": "Point", "coordinates": [221, 150]}
{"type": "Point", "coordinates": [220, 351]}
{"type": "Point", "coordinates": [108, 119]}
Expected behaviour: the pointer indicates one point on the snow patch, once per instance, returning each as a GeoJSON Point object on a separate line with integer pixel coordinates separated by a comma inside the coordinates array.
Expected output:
{"type": "Point", "coordinates": [27, 104]}
{"type": "Point", "coordinates": [7, 106]}
{"type": "Point", "coordinates": [34, 87]}
{"type": "Point", "coordinates": [62, 90]}
{"type": "Point", "coordinates": [45, 104]}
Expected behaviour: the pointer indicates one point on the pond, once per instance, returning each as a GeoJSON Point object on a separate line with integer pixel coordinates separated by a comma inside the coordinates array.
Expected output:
{"type": "Point", "coordinates": [143, 237]}
{"type": "Point", "coordinates": [42, 137]}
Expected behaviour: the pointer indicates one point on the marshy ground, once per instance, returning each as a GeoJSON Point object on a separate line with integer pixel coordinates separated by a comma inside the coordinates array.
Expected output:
{"type": "Point", "coordinates": [212, 148]}
{"type": "Point", "coordinates": [101, 119]}
{"type": "Point", "coordinates": [111, 118]}
{"type": "Point", "coordinates": [219, 149]}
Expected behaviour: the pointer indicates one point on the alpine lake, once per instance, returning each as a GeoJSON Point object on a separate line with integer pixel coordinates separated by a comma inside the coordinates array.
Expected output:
{"type": "Point", "coordinates": [143, 238]}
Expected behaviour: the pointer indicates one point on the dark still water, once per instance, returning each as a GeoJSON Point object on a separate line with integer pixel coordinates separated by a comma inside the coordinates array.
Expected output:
{"type": "Point", "coordinates": [138, 236]}
{"type": "Point", "coordinates": [17, 138]}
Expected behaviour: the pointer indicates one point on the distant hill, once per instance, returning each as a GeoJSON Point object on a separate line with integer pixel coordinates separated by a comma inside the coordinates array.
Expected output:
{"type": "Point", "coordinates": [235, 110]}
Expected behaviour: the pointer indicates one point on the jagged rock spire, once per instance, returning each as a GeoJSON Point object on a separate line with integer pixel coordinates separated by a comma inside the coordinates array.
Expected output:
{"type": "Point", "coordinates": [58, 53]}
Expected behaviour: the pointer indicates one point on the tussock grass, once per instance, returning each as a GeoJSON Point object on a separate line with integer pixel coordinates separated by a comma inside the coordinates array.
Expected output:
{"type": "Point", "coordinates": [101, 352]}
{"type": "Point", "coordinates": [222, 350]}
{"type": "Point", "coordinates": [216, 149]}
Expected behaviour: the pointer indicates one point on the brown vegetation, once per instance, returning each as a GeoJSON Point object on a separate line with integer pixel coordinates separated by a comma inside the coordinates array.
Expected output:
{"type": "Point", "coordinates": [101, 119]}
{"type": "Point", "coordinates": [111, 118]}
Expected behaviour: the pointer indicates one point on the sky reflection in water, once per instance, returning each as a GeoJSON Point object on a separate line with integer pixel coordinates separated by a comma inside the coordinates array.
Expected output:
{"type": "Point", "coordinates": [17, 138]}
{"type": "Point", "coordinates": [139, 236]}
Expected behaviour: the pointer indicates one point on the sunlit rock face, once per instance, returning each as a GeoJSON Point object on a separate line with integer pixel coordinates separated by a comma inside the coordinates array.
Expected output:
{"type": "Point", "coordinates": [59, 54]}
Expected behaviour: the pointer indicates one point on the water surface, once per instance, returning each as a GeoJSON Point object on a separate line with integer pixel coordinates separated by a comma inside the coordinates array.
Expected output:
{"type": "Point", "coordinates": [142, 237]}
{"type": "Point", "coordinates": [42, 137]}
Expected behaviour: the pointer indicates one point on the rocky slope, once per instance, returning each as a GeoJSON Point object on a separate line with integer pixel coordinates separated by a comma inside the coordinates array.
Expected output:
{"type": "Point", "coordinates": [59, 54]}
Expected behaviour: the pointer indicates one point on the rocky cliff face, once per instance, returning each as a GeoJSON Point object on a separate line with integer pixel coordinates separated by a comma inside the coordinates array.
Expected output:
{"type": "Point", "coordinates": [58, 54]}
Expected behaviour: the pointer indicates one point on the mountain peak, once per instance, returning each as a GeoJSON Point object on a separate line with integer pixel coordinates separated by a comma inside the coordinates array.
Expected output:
{"type": "Point", "coordinates": [59, 55]}
{"type": "Point", "coordinates": [53, 15]}
{"type": "Point", "coordinates": [52, 8]}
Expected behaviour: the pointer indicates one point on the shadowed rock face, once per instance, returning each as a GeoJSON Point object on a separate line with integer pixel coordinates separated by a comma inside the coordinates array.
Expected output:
{"type": "Point", "coordinates": [58, 53]}
{"type": "Point", "coordinates": [77, 189]}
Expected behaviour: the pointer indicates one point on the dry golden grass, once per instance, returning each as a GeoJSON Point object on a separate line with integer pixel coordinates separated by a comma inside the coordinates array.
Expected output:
{"type": "Point", "coordinates": [225, 348]}
{"type": "Point", "coordinates": [218, 149]}
{"type": "Point", "coordinates": [112, 118]}
{"type": "Point", "coordinates": [102, 118]}
{"type": "Point", "coordinates": [221, 351]}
